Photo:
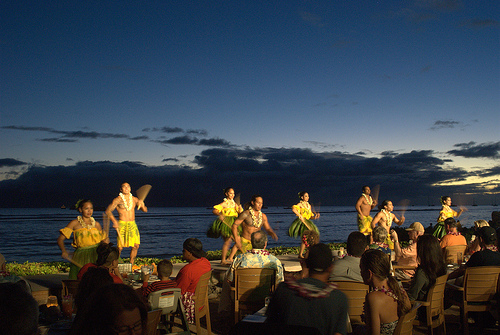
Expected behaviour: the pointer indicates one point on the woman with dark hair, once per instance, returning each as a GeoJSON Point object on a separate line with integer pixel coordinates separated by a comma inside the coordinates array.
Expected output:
{"type": "Point", "coordinates": [387, 301]}
{"type": "Point", "coordinates": [431, 266]}
{"type": "Point", "coordinates": [303, 222]}
{"type": "Point", "coordinates": [112, 309]}
{"type": "Point", "coordinates": [87, 234]}
{"type": "Point", "coordinates": [227, 212]}
{"type": "Point", "coordinates": [107, 258]}
{"type": "Point", "coordinates": [446, 212]}
{"type": "Point", "coordinates": [92, 280]}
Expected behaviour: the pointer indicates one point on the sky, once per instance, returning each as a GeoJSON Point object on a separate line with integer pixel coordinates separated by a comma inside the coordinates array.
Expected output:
{"type": "Point", "coordinates": [269, 97]}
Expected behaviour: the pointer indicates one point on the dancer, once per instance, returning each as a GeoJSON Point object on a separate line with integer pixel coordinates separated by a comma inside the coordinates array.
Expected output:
{"type": "Point", "coordinates": [385, 218]}
{"type": "Point", "coordinates": [446, 212]}
{"type": "Point", "coordinates": [387, 301]}
{"type": "Point", "coordinates": [303, 221]}
{"type": "Point", "coordinates": [363, 206]}
{"type": "Point", "coordinates": [87, 234]}
{"type": "Point", "coordinates": [227, 212]}
{"type": "Point", "coordinates": [251, 220]}
{"type": "Point", "coordinates": [128, 233]}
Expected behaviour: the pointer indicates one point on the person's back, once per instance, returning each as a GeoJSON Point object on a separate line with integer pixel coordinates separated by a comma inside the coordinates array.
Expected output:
{"type": "Point", "coordinates": [347, 268]}
{"type": "Point", "coordinates": [18, 310]}
{"type": "Point", "coordinates": [311, 302]}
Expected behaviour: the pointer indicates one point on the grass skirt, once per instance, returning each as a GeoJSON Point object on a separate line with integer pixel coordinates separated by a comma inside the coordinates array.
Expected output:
{"type": "Point", "coordinates": [82, 256]}
{"type": "Point", "coordinates": [297, 228]}
{"type": "Point", "coordinates": [439, 230]}
{"type": "Point", "coordinates": [219, 228]}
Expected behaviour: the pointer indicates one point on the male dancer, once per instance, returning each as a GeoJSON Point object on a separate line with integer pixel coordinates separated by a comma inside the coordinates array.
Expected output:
{"type": "Point", "coordinates": [364, 205]}
{"type": "Point", "coordinates": [251, 220]}
{"type": "Point", "coordinates": [128, 233]}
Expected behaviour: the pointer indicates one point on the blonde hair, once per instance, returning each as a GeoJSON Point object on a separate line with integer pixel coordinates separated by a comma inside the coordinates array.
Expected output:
{"type": "Point", "coordinates": [481, 223]}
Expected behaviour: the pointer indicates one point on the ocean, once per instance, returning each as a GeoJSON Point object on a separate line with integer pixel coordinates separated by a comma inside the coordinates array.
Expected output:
{"type": "Point", "coordinates": [30, 234]}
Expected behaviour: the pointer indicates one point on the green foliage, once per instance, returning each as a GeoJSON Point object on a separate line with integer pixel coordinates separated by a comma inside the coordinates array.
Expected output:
{"type": "Point", "coordinates": [45, 268]}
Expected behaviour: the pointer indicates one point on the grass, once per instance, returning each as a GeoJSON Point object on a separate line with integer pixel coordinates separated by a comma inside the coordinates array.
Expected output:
{"type": "Point", "coordinates": [45, 268]}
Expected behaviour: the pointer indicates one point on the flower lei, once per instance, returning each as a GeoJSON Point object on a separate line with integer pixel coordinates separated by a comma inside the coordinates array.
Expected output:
{"type": "Point", "coordinates": [387, 291]}
{"type": "Point", "coordinates": [84, 225]}
{"type": "Point", "coordinates": [309, 291]}
{"type": "Point", "coordinates": [370, 201]}
{"type": "Point", "coordinates": [388, 217]}
{"type": "Point", "coordinates": [305, 204]}
{"type": "Point", "coordinates": [230, 202]}
{"type": "Point", "coordinates": [256, 221]}
{"type": "Point", "coordinates": [382, 244]}
{"type": "Point", "coordinates": [491, 247]}
{"type": "Point", "coordinates": [262, 252]}
{"type": "Point", "coordinates": [125, 203]}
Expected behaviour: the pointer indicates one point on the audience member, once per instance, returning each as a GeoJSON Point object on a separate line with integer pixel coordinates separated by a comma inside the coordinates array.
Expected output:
{"type": "Point", "coordinates": [112, 309]}
{"type": "Point", "coordinates": [258, 257]}
{"type": "Point", "coordinates": [453, 236]}
{"type": "Point", "coordinates": [408, 256]}
{"type": "Point", "coordinates": [312, 301]}
{"type": "Point", "coordinates": [190, 274]}
{"type": "Point", "coordinates": [347, 268]}
{"type": "Point", "coordinates": [107, 257]}
{"type": "Point", "coordinates": [473, 245]}
{"type": "Point", "coordinates": [93, 279]}
{"type": "Point", "coordinates": [7, 277]}
{"type": "Point", "coordinates": [431, 265]}
{"type": "Point", "coordinates": [164, 269]}
{"type": "Point", "coordinates": [18, 310]}
{"type": "Point", "coordinates": [387, 301]}
{"type": "Point", "coordinates": [379, 238]}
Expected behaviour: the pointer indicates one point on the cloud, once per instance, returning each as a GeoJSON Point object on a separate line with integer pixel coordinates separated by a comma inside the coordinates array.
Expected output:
{"type": "Point", "coordinates": [473, 150]}
{"type": "Point", "coordinates": [168, 130]}
{"type": "Point", "coordinates": [479, 23]}
{"type": "Point", "coordinates": [443, 124]}
{"type": "Point", "coordinates": [57, 140]}
{"type": "Point", "coordinates": [10, 162]}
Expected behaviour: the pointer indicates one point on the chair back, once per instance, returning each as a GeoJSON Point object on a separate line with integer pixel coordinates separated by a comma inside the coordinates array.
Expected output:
{"type": "Point", "coordinates": [435, 299]}
{"type": "Point", "coordinates": [201, 307]}
{"type": "Point", "coordinates": [153, 321]}
{"type": "Point", "coordinates": [405, 322]}
{"type": "Point", "coordinates": [356, 293]}
{"type": "Point", "coordinates": [454, 254]}
{"type": "Point", "coordinates": [70, 286]}
{"type": "Point", "coordinates": [252, 286]}
{"type": "Point", "coordinates": [480, 285]}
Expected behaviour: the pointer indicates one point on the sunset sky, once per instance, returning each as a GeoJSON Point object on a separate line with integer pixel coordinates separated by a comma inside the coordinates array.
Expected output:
{"type": "Point", "coordinates": [269, 96]}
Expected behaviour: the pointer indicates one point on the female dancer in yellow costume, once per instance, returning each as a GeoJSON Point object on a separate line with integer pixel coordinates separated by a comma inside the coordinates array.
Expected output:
{"type": "Point", "coordinates": [303, 221]}
{"type": "Point", "coordinates": [87, 234]}
{"type": "Point", "coordinates": [227, 212]}
{"type": "Point", "coordinates": [446, 212]}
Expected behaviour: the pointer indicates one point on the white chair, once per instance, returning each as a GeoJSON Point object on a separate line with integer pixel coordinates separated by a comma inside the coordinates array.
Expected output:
{"type": "Point", "coordinates": [169, 301]}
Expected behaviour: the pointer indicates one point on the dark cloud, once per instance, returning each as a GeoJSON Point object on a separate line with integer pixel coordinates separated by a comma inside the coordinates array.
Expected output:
{"type": "Point", "coordinates": [170, 160]}
{"type": "Point", "coordinates": [333, 177]}
{"type": "Point", "coordinates": [10, 162]}
{"type": "Point", "coordinates": [139, 138]}
{"type": "Point", "coordinates": [168, 130]}
{"type": "Point", "coordinates": [214, 142]}
{"type": "Point", "coordinates": [474, 150]}
{"type": "Point", "coordinates": [443, 124]}
{"type": "Point", "coordinates": [200, 132]}
{"type": "Point", "coordinates": [180, 140]}
{"type": "Point", "coordinates": [479, 23]}
{"type": "Point", "coordinates": [57, 140]}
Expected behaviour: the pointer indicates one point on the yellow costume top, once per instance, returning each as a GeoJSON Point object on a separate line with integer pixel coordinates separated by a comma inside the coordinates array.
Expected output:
{"type": "Point", "coordinates": [305, 212]}
{"type": "Point", "coordinates": [446, 213]}
{"type": "Point", "coordinates": [227, 211]}
{"type": "Point", "coordinates": [87, 236]}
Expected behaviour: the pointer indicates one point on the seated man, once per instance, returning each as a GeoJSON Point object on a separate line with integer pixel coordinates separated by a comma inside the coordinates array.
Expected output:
{"type": "Point", "coordinates": [379, 238]}
{"type": "Point", "coordinates": [452, 237]}
{"type": "Point", "coordinates": [190, 274]}
{"type": "Point", "coordinates": [18, 310]}
{"type": "Point", "coordinates": [347, 268]}
{"type": "Point", "coordinates": [258, 257]}
{"type": "Point", "coordinates": [311, 302]}
{"type": "Point", "coordinates": [407, 256]}
{"type": "Point", "coordinates": [488, 256]}
{"type": "Point", "coordinates": [164, 271]}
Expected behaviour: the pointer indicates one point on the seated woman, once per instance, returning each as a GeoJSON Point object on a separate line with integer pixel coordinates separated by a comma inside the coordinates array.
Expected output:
{"type": "Point", "coordinates": [387, 301]}
{"type": "Point", "coordinates": [473, 245]}
{"type": "Point", "coordinates": [107, 257]}
{"type": "Point", "coordinates": [112, 309]}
